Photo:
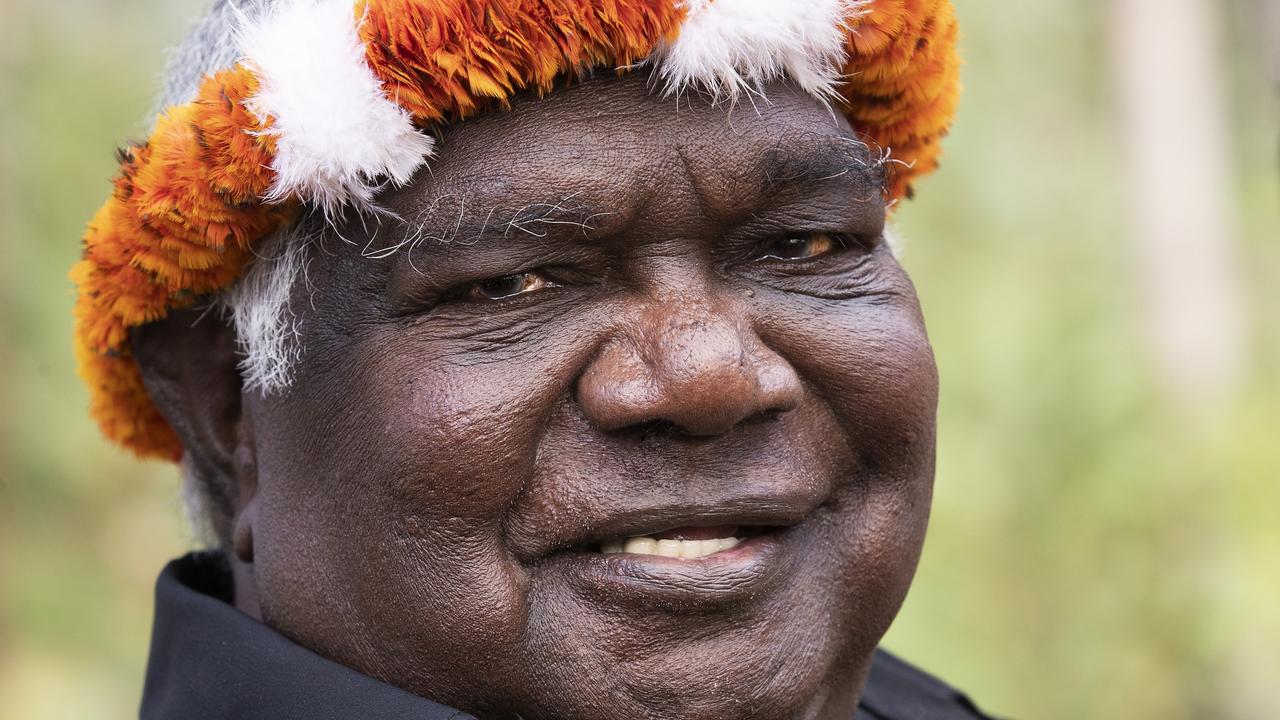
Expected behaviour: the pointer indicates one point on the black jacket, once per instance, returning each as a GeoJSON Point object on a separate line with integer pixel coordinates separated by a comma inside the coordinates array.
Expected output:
{"type": "Point", "coordinates": [209, 661]}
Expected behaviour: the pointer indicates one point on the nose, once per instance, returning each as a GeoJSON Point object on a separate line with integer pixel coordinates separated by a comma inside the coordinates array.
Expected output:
{"type": "Point", "coordinates": [700, 369]}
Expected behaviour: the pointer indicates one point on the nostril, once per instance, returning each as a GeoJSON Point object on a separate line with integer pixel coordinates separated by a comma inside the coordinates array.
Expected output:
{"type": "Point", "coordinates": [655, 429]}
{"type": "Point", "coordinates": [766, 416]}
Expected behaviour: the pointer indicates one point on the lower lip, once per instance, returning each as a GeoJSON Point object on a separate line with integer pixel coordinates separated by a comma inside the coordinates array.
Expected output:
{"type": "Point", "coordinates": [741, 572]}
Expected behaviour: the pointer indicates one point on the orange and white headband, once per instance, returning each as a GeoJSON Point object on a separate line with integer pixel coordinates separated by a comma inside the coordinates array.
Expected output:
{"type": "Point", "coordinates": [331, 100]}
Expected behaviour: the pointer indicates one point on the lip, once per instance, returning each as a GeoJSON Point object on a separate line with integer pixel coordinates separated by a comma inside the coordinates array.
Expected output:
{"type": "Point", "coordinates": [777, 514]}
{"type": "Point", "coordinates": [748, 570]}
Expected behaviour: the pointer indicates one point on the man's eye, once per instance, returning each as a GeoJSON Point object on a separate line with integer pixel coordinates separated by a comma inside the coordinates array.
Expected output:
{"type": "Point", "coordinates": [507, 286]}
{"type": "Point", "coordinates": [803, 247]}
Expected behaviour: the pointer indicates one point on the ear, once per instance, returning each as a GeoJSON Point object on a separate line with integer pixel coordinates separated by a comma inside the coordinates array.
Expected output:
{"type": "Point", "coordinates": [188, 362]}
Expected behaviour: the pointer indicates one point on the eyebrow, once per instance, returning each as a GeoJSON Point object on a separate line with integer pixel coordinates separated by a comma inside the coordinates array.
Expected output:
{"type": "Point", "coordinates": [801, 161]}
{"type": "Point", "coordinates": [451, 219]}
{"type": "Point", "coordinates": [536, 218]}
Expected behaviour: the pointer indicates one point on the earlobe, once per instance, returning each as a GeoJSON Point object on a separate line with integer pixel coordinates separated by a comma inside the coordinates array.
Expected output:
{"type": "Point", "coordinates": [240, 542]}
{"type": "Point", "coordinates": [246, 476]}
{"type": "Point", "coordinates": [242, 534]}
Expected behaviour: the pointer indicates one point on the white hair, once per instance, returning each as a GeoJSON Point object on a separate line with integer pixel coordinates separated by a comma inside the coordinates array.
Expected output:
{"type": "Point", "coordinates": [258, 304]}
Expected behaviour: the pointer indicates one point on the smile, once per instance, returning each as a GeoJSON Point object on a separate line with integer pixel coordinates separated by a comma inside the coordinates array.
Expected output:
{"type": "Point", "coordinates": [730, 552]}
{"type": "Point", "coordinates": [688, 543]}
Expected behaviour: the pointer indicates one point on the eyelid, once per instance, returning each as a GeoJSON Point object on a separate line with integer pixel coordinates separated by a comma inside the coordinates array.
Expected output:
{"type": "Point", "coordinates": [474, 290]}
{"type": "Point", "coordinates": [841, 242]}
{"type": "Point", "coordinates": [461, 292]}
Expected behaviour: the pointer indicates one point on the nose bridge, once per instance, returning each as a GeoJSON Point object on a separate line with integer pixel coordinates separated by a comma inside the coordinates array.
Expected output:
{"type": "Point", "coordinates": [694, 347]}
{"type": "Point", "coordinates": [692, 363]}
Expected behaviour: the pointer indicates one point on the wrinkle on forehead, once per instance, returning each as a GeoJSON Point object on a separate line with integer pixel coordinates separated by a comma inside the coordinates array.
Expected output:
{"type": "Point", "coordinates": [596, 157]}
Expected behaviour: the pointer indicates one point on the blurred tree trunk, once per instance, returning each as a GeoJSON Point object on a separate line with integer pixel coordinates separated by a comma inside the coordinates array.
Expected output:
{"type": "Point", "coordinates": [1171, 86]}
{"type": "Point", "coordinates": [1268, 15]}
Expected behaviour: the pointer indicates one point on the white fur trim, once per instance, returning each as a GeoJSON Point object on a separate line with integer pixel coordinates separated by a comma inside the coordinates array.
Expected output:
{"type": "Point", "coordinates": [728, 46]}
{"type": "Point", "coordinates": [339, 135]}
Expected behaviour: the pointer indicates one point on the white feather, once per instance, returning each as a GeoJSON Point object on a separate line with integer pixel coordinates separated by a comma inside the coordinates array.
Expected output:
{"type": "Point", "coordinates": [339, 137]}
{"type": "Point", "coordinates": [897, 244]}
{"type": "Point", "coordinates": [726, 47]}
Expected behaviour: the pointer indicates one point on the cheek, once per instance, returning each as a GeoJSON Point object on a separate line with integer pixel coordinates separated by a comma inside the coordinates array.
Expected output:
{"type": "Point", "coordinates": [385, 480]}
{"type": "Point", "coordinates": [873, 368]}
{"type": "Point", "coordinates": [445, 440]}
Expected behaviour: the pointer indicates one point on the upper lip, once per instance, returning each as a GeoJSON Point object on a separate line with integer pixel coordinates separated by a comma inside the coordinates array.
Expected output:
{"type": "Point", "coordinates": [740, 511]}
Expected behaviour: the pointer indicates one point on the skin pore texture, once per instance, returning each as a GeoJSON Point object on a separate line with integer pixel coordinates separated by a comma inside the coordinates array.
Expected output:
{"type": "Point", "coordinates": [598, 317]}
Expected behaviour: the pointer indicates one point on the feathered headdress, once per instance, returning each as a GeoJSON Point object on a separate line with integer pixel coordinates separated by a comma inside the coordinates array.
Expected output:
{"type": "Point", "coordinates": [330, 100]}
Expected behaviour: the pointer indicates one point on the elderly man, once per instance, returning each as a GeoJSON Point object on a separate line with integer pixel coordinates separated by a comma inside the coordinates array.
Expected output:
{"type": "Point", "coordinates": [533, 358]}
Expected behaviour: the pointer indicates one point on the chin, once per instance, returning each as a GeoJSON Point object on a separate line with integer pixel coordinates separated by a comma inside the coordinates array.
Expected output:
{"type": "Point", "coordinates": [762, 629]}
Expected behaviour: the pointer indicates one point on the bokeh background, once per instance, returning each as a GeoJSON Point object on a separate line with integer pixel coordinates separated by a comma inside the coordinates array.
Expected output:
{"type": "Point", "coordinates": [1099, 265]}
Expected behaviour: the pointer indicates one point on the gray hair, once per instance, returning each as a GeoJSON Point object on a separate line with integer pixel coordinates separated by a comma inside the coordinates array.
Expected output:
{"type": "Point", "coordinates": [209, 47]}
{"type": "Point", "coordinates": [258, 304]}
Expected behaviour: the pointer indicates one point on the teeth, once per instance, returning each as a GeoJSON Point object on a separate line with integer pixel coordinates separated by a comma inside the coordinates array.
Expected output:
{"type": "Point", "coordinates": [693, 549]}
{"type": "Point", "coordinates": [641, 546]}
{"type": "Point", "coordinates": [687, 549]}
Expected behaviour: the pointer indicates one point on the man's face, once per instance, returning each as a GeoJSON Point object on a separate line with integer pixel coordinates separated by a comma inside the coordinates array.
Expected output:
{"type": "Point", "coordinates": [602, 318]}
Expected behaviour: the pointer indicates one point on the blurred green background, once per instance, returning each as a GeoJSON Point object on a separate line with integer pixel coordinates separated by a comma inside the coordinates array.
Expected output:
{"type": "Point", "coordinates": [1106, 534]}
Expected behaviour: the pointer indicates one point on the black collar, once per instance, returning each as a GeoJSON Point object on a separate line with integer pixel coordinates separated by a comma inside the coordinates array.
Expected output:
{"type": "Point", "coordinates": [209, 661]}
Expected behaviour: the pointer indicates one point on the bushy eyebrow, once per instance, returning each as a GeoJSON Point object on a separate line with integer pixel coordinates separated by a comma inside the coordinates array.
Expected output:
{"type": "Point", "coordinates": [452, 220]}
{"type": "Point", "coordinates": [537, 218]}
{"type": "Point", "coordinates": [810, 159]}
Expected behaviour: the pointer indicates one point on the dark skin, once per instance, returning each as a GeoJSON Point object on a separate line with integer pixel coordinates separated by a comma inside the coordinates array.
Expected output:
{"type": "Point", "coordinates": [616, 320]}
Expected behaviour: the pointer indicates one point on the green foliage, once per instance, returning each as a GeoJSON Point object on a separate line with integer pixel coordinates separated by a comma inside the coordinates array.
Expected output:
{"type": "Point", "coordinates": [1098, 549]}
